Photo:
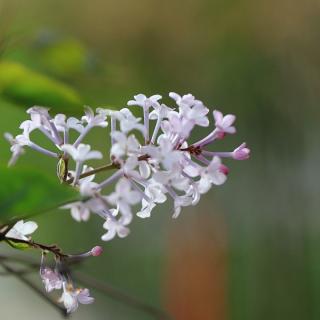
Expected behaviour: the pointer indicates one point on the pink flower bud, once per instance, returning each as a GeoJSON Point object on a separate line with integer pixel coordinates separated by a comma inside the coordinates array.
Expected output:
{"type": "Point", "coordinates": [241, 153]}
{"type": "Point", "coordinates": [220, 135]}
{"type": "Point", "coordinates": [96, 251]}
{"type": "Point", "coordinates": [224, 169]}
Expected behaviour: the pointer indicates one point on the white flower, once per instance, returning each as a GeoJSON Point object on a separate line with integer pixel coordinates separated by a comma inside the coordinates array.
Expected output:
{"type": "Point", "coordinates": [39, 114]}
{"type": "Point", "coordinates": [187, 100]}
{"type": "Point", "coordinates": [79, 211]}
{"type": "Point", "coordinates": [41, 119]}
{"type": "Point", "coordinates": [88, 188]}
{"type": "Point", "coordinates": [28, 126]}
{"type": "Point", "coordinates": [191, 109]}
{"type": "Point", "coordinates": [144, 169]}
{"type": "Point", "coordinates": [145, 102]}
{"type": "Point", "coordinates": [172, 178]}
{"type": "Point", "coordinates": [16, 148]}
{"type": "Point", "coordinates": [116, 227]}
{"type": "Point", "coordinates": [129, 122]}
{"type": "Point", "coordinates": [181, 201]}
{"type": "Point", "coordinates": [213, 174]}
{"type": "Point", "coordinates": [190, 168]}
{"type": "Point", "coordinates": [156, 194]}
{"type": "Point", "coordinates": [71, 298]}
{"type": "Point", "coordinates": [98, 120]}
{"type": "Point", "coordinates": [22, 140]}
{"type": "Point", "coordinates": [124, 145]}
{"type": "Point", "coordinates": [164, 153]}
{"type": "Point", "coordinates": [175, 125]}
{"type": "Point", "coordinates": [197, 115]}
{"type": "Point", "coordinates": [160, 111]}
{"type": "Point", "coordinates": [224, 123]}
{"type": "Point", "coordinates": [21, 230]}
{"type": "Point", "coordinates": [147, 207]}
{"type": "Point", "coordinates": [194, 193]}
{"type": "Point", "coordinates": [124, 196]}
{"type": "Point", "coordinates": [129, 168]}
{"type": "Point", "coordinates": [63, 123]}
{"type": "Point", "coordinates": [82, 152]}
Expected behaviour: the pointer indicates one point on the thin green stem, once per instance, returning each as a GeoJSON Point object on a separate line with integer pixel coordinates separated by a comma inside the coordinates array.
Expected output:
{"type": "Point", "coordinates": [106, 167]}
{"type": "Point", "coordinates": [110, 166]}
{"type": "Point", "coordinates": [37, 213]}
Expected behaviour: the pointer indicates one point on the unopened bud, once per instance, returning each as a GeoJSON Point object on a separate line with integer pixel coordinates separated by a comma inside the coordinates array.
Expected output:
{"type": "Point", "coordinates": [96, 251]}
{"type": "Point", "coordinates": [224, 169]}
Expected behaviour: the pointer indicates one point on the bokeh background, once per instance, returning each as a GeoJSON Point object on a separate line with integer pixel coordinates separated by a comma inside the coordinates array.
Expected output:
{"type": "Point", "coordinates": [251, 249]}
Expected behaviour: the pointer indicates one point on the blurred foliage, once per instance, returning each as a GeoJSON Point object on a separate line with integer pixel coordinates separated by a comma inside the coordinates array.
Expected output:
{"type": "Point", "coordinates": [28, 191]}
{"type": "Point", "coordinates": [65, 58]}
{"type": "Point", "coordinates": [52, 53]}
{"type": "Point", "coordinates": [27, 87]}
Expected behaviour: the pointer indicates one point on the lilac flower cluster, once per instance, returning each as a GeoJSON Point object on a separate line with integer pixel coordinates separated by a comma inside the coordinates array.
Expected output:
{"type": "Point", "coordinates": [163, 166]}
{"type": "Point", "coordinates": [151, 161]}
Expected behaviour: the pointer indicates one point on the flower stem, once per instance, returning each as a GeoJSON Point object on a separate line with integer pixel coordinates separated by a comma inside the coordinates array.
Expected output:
{"type": "Point", "coordinates": [52, 248]}
{"type": "Point", "coordinates": [106, 167]}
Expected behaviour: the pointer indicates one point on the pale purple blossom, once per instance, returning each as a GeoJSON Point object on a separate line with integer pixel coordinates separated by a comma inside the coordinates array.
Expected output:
{"type": "Point", "coordinates": [116, 226]}
{"type": "Point", "coordinates": [79, 210]}
{"type": "Point", "coordinates": [72, 297]}
{"type": "Point", "coordinates": [80, 154]}
{"type": "Point", "coordinates": [215, 173]}
{"type": "Point", "coordinates": [241, 153]}
{"type": "Point", "coordinates": [51, 279]}
{"type": "Point", "coordinates": [16, 148]}
{"type": "Point", "coordinates": [223, 123]}
{"type": "Point", "coordinates": [145, 102]}
{"type": "Point", "coordinates": [124, 196]}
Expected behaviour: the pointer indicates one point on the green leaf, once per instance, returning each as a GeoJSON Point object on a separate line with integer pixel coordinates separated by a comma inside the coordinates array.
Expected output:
{"type": "Point", "coordinates": [24, 192]}
{"type": "Point", "coordinates": [18, 245]}
{"type": "Point", "coordinates": [25, 86]}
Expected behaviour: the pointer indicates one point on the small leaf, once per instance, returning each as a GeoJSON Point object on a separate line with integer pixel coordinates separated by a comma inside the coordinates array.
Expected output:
{"type": "Point", "coordinates": [62, 170]}
{"type": "Point", "coordinates": [18, 245]}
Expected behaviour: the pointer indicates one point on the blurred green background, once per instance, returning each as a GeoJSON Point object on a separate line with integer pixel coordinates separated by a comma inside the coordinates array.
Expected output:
{"type": "Point", "coordinates": [251, 249]}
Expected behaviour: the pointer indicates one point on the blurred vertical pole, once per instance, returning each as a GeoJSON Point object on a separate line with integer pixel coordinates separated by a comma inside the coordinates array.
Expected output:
{"type": "Point", "coordinates": [196, 267]}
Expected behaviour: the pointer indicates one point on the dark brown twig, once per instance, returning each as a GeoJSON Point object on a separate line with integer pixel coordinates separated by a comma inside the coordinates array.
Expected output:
{"type": "Point", "coordinates": [51, 248]}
